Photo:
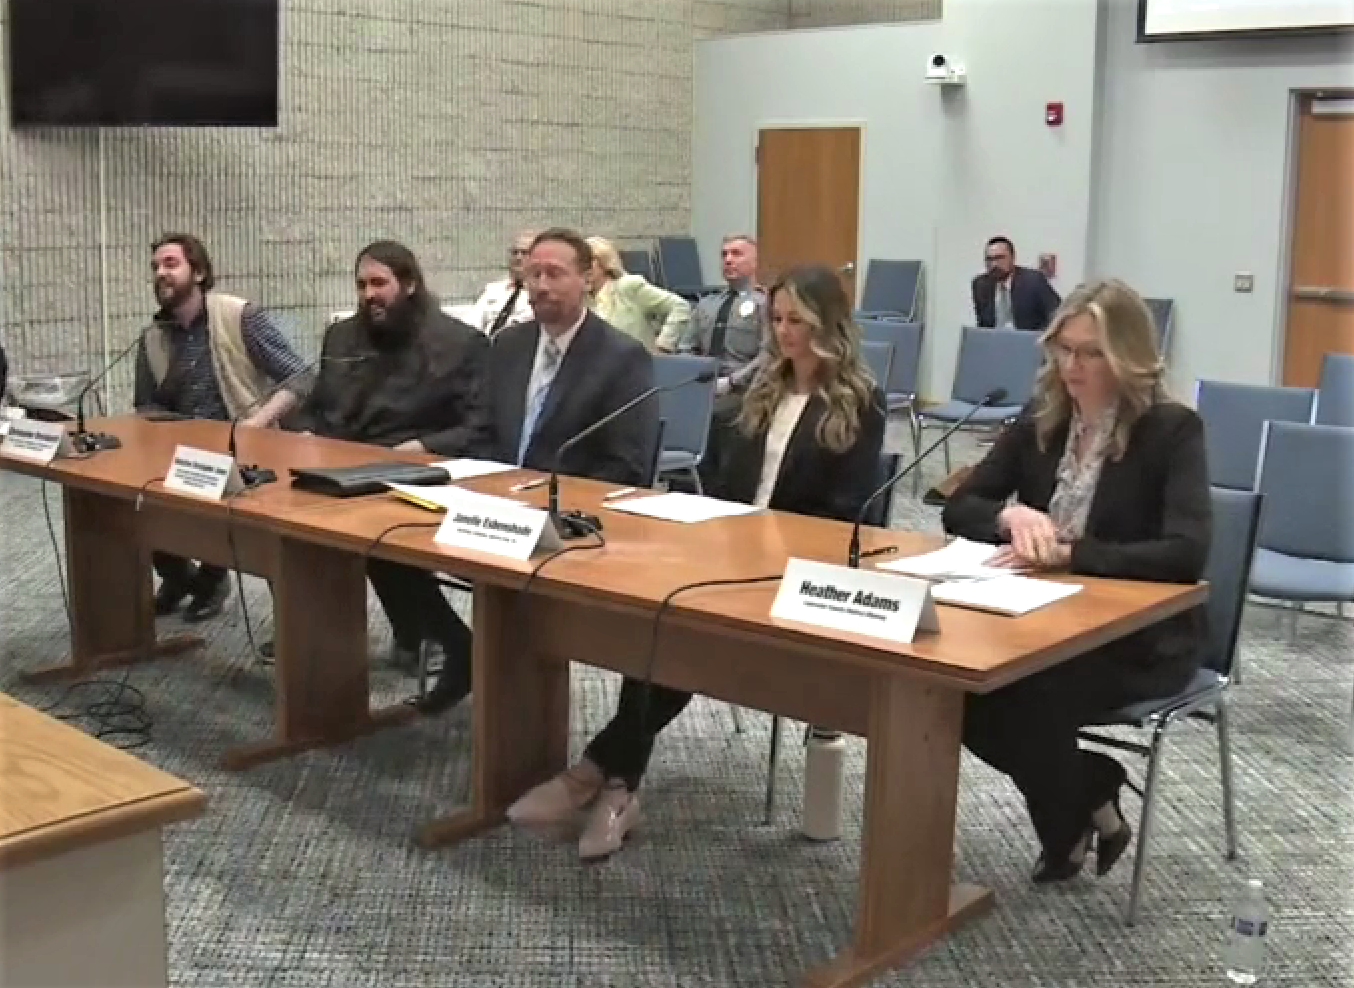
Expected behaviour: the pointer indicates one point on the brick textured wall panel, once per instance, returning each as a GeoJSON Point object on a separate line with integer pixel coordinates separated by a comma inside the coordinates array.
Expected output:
{"type": "Point", "coordinates": [832, 13]}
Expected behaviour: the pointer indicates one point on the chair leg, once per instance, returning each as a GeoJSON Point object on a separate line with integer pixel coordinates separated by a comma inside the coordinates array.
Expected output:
{"type": "Point", "coordinates": [772, 762]}
{"type": "Point", "coordinates": [424, 648]}
{"type": "Point", "coordinates": [914, 425]}
{"type": "Point", "coordinates": [1146, 820]}
{"type": "Point", "coordinates": [1224, 725]}
{"type": "Point", "coordinates": [696, 479]}
{"type": "Point", "coordinates": [948, 469]}
{"type": "Point", "coordinates": [737, 718]}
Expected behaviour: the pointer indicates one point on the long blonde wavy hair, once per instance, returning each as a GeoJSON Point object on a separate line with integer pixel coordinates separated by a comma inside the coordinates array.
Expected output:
{"type": "Point", "coordinates": [1128, 338]}
{"type": "Point", "coordinates": [843, 381]}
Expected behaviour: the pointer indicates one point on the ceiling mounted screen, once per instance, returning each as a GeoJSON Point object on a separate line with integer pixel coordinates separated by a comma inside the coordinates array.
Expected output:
{"type": "Point", "coordinates": [1174, 20]}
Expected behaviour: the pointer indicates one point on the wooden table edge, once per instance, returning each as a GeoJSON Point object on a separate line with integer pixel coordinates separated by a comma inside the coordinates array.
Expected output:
{"type": "Point", "coordinates": [98, 826]}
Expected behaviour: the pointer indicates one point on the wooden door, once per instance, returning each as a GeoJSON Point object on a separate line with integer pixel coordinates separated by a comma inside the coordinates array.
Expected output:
{"type": "Point", "coordinates": [1321, 278]}
{"type": "Point", "coordinates": [808, 200]}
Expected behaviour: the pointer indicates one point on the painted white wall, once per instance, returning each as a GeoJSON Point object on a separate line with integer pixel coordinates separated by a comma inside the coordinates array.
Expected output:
{"type": "Point", "coordinates": [941, 171]}
{"type": "Point", "coordinates": [1192, 183]}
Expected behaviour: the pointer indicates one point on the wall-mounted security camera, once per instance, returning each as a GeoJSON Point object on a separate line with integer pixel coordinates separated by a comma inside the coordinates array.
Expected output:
{"type": "Point", "coordinates": [941, 70]}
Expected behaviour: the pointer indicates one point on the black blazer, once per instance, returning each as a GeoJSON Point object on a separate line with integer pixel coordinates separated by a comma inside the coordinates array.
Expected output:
{"type": "Point", "coordinates": [602, 370]}
{"type": "Point", "coordinates": [1033, 299]}
{"type": "Point", "coordinates": [812, 480]}
{"type": "Point", "coordinates": [1150, 519]}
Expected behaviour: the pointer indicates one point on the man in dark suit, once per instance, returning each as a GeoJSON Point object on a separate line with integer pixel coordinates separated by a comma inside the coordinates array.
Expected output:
{"type": "Point", "coordinates": [552, 377]}
{"type": "Point", "coordinates": [1009, 295]}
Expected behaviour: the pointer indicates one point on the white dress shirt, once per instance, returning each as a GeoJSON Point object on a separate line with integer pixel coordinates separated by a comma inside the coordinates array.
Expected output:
{"type": "Point", "coordinates": [562, 342]}
{"type": "Point", "coordinates": [491, 302]}
{"type": "Point", "coordinates": [777, 441]}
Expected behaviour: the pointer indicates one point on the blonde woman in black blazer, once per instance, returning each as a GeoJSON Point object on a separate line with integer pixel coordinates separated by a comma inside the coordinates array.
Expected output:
{"type": "Point", "coordinates": [1102, 475]}
{"type": "Point", "coordinates": [808, 441]}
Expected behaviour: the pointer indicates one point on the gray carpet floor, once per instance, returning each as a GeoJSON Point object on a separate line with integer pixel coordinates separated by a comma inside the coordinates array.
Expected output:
{"type": "Point", "coordinates": [303, 873]}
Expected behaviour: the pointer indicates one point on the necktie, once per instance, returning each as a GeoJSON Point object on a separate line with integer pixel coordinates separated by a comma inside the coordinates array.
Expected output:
{"type": "Point", "coordinates": [504, 313]}
{"type": "Point", "coordinates": [550, 360]}
{"type": "Point", "coordinates": [721, 325]}
{"type": "Point", "coordinates": [1004, 316]}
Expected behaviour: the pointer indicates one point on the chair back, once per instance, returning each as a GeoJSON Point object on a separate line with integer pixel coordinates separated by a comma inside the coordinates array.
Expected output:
{"type": "Point", "coordinates": [878, 357]}
{"type": "Point", "coordinates": [1306, 475]}
{"type": "Point", "coordinates": [1163, 315]}
{"type": "Point", "coordinates": [1236, 519]}
{"type": "Point", "coordinates": [686, 410]}
{"type": "Point", "coordinates": [1335, 390]}
{"type": "Point", "coordinates": [882, 509]}
{"type": "Point", "coordinates": [1234, 420]}
{"type": "Point", "coordinates": [996, 358]}
{"type": "Point", "coordinates": [657, 454]}
{"type": "Point", "coordinates": [906, 364]}
{"type": "Point", "coordinates": [638, 262]}
{"type": "Point", "coordinates": [891, 287]}
{"type": "Point", "coordinates": [679, 263]}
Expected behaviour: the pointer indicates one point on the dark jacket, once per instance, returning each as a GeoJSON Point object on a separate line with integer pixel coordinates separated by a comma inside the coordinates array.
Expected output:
{"type": "Point", "coordinates": [1150, 519]}
{"type": "Point", "coordinates": [812, 480]}
{"type": "Point", "coordinates": [602, 370]}
{"type": "Point", "coordinates": [1033, 299]}
{"type": "Point", "coordinates": [430, 389]}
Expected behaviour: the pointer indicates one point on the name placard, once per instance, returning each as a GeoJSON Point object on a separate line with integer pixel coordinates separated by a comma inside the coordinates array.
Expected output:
{"type": "Point", "coordinates": [861, 601]}
{"type": "Point", "coordinates": [201, 473]}
{"type": "Point", "coordinates": [496, 525]}
{"type": "Point", "coordinates": [40, 442]}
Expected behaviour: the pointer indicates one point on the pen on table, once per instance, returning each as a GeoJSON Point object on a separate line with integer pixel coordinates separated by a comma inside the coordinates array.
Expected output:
{"type": "Point", "coordinates": [883, 550]}
{"type": "Point", "coordinates": [529, 485]}
{"type": "Point", "coordinates": [620, 493]}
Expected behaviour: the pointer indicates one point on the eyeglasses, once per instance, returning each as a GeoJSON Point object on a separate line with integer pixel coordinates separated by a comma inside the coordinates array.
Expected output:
{"type": "Point", "coordinates": [519, 252]}
{"type": "Point", "coordinates": [1079, 354]}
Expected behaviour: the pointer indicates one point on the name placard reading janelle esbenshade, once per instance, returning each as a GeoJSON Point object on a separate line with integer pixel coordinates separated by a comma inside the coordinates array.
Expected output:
{"type": "Point", "coordinates": [202, 473]}
{"type": "Point", "coordinates": [40, 442]}
{"type": "Point", "coordinates": [496, 525]}
{"type": "Point", "coordinates": [861, 601]}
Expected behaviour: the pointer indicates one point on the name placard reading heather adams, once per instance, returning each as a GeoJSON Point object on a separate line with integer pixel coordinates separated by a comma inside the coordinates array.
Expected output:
{"type": "Point", "coordinates": [40, 442]}
{"type": "Point", "coordinates": [201, 473]}
{"type": "Point", "coordinates": [861, 601]}
{"type": "Point", "coordinates": [497, 526]}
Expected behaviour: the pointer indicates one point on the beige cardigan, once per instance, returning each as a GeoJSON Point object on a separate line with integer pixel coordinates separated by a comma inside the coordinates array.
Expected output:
{"type": "Point", "coordinates": [652, 315]}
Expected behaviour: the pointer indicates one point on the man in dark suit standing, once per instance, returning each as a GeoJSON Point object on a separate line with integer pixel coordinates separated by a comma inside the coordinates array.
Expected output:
{"type": "Point", "coordinates": [552, 377]}
{"type": "Point", "coordinates": [1008, 295]}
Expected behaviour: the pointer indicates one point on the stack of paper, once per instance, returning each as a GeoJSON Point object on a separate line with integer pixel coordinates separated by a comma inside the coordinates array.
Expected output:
{"type": "Point", "coordinates": [960, 560]}
{"type": "Point", "coordinates": [687, 508]}
{"type": "Point", "coordinates": [465, 468]}
{"type": "Point", "coordinates": [1010, 595]}
{"type": "Point", "coordinates": [440, 498]}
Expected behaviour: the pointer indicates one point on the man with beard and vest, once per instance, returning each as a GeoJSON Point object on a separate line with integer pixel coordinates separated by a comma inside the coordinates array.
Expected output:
{"type": "Point", "coordinates": [207, 355]}
{"type": "Point", "coordinates": [401, 373]}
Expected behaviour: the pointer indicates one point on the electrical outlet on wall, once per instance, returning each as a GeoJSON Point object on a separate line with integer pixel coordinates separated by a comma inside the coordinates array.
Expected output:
{"type": "Point", "coordinates": [1243, 281]}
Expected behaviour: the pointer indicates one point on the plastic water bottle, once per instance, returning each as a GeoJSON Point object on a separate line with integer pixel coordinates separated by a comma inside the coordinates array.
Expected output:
{"type": "Point", "coordinates": [1250, 925]}
{"type": "Point", "coordinates": [824, 762]}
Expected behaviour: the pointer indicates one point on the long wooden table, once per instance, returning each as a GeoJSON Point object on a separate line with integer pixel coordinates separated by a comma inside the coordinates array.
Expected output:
{"type": "Point", "coordinates": [597, 606]}
{"type": "Point", "coordinates": [81, 876]}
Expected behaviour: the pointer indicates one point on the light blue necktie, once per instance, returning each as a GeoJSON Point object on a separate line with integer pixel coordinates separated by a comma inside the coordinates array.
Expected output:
{"type": "Point", "coordinates": [550, 360]}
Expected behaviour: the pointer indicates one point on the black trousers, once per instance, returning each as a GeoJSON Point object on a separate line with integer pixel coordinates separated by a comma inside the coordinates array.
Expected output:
{"type": "Point", "coordinates": [1028, 731]}
{"type": "Point", "coordinates": [417, 610]}
{"type": "Point", "coordinates": [623, 748]}
{"type": "Point", "coordinates": [176, 571]}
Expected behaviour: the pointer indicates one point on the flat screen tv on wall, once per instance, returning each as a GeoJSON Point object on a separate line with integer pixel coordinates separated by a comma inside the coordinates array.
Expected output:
{"type": "Point", "coordinates": [143, 63]}
{"type": "Point", "coordinates": [1180, 20]}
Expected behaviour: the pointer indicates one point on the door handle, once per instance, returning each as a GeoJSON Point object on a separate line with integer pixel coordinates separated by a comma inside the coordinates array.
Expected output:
{"type": "Point", "coordinates": [1314, 293]}
{"type": "Point", "coordinates": [848, 268]}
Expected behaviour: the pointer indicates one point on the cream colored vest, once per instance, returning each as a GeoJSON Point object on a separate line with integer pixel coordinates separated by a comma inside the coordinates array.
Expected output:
{"type": "Point", "coordinates": [241, 383]}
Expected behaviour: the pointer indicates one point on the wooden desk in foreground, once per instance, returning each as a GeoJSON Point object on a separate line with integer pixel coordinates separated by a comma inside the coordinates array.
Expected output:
{"type": "Point", "coordinates": [81, 873]}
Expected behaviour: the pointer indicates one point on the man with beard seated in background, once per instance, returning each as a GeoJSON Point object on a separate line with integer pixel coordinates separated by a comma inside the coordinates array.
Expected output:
{"type": "Point", "coordinates": [401, 373]}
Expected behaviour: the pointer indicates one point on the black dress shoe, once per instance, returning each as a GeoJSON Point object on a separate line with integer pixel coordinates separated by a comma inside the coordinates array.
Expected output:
{"type": "Point", "coordinates": [207, 604]}
{"type": "Point", "coordinates": [1048, 872]}
{"type": "Point", "coordinates": [934, 498]}
{"type": "Point", "coordinates": [168, 598]}
{"type": "Point", "coordinates": [1108, 850]}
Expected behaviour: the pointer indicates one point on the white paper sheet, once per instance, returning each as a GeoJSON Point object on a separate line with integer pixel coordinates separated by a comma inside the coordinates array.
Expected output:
{"type": "Point", "coordinates": [960, 560]}
{"type": "Point", "coordinates": [438, 497]}
{"type": "Point", "coordinates": [1010, 595]}
{"type": "Point", "coordinates": [465, 468]}
{"type": "Point", "coordinates": [685, 508]}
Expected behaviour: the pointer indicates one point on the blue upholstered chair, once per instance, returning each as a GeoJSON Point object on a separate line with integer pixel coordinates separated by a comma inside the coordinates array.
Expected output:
{"type": "Point", "coordinates": [687, 412]}
{"type": "Point", "coordinates": [1234, 420]}
{"type": "Point", "coordinates": [1335, 390]}
{"type": "Point", "coordinates": [892, 288]}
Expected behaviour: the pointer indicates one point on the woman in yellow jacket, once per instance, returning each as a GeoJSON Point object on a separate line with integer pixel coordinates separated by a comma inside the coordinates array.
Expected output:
{"type": "Point", "coordinates": [652, 315]}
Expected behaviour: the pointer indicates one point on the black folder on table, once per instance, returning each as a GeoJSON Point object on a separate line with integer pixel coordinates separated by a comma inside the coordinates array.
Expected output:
{"type": "Point", "coordinates": [366, 478]}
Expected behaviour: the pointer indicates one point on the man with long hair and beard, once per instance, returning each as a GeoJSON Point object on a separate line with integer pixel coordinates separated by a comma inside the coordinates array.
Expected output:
{"type": "Point", "coordinates": [207, 355]}
{"type": "Point", "coordinates": [401, 373]}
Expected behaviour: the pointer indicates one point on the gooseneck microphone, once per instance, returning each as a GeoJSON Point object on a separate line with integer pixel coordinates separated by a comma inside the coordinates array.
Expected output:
{"type": "Point", "coordinates": [993, 397]}
{"type": "Point", "coordinates": [253, 476]}
{"type": "Point", "coordinates": [93, 442]}
{"type": "Point", "coordinates": [572, 524]}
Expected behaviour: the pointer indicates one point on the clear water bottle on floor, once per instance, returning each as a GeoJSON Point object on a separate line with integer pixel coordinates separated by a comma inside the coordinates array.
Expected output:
{"type": "Point", "coordinates": [1245, 956]}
